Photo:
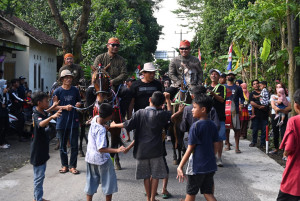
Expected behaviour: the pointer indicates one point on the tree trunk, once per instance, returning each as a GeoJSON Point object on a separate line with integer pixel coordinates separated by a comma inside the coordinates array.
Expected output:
{"type": "Point", "coordinates": [256, 59]}
{"type": "Point", "coordinates": [290, 49]}
{"type": "Point", "coordinates": [81, 33]}
{"type": "Point", "coordinates": [67, 40]}
{"type": "Point", "coordinates": [251, 57]}
{"type": "Point", "coordinates": [296, 35]}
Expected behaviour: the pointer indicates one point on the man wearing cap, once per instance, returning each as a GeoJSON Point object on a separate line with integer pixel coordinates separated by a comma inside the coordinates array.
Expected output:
{"type": "Point", "coordinates": [73, 68]}
{"type": "Point", "coordinates": [222, 79]}
{"type": "Point", "coordinates": [143, 89]}
{"type": "Point", "coordinates": [184, 69]}
{"type": "Point", "coordinates": [67, 125]}
{"type": "Point", "coordinates": [21, 88]}
{"type": "Point", "coordinates": [218, 93]}
{"type": "Point", "coordinates": [113, 63]}
{"type": "Point", "coordinates": [235, 94]}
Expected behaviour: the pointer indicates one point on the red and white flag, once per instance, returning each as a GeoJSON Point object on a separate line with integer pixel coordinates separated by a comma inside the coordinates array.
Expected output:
{"type": "Point", "coordinates": [199, 54]}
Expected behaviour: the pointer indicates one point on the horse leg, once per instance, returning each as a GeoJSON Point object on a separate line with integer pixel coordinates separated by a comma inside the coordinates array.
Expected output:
{"type": "Point", "coordinates": [115, 142]}
{"type": "Point", "coordinates": [82, 135]}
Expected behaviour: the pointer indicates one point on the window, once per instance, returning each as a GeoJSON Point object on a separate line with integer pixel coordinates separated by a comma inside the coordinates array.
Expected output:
{"type": "Point", "coordinates": [34, 70]}
{"type": "Point", "coordinates": [39, 76]}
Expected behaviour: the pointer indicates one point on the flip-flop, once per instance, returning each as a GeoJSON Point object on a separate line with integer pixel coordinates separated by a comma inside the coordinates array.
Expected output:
{"type": "Point", "coordinates": [63, 170]}
{"type": "Point", "coordinates": [237, 151]}
{"type": "Point", "coordinates": [74, 171]}
{"type": "Point", "coordinates": [166, 196]}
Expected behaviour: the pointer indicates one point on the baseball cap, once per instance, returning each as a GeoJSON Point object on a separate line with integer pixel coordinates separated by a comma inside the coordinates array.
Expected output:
{"type": "Point", "coordinates": [214, 70]}
{"type": "Point", "coordinates": [65, 73]}
{"type": "Point", "coordinates": [22, 78]}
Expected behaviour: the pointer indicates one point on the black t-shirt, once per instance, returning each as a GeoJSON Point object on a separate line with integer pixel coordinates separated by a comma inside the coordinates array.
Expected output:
{"type": "Point", "coordinates": [220, 107]}
{"type": "Point", "coordinates": [261, 114]}
{"type": "Point", "coordinates": [141, 92]}
{"type": "Point", "coordinates": [40, 140]}
{"type": "Point", "coordinates": [149, 124]}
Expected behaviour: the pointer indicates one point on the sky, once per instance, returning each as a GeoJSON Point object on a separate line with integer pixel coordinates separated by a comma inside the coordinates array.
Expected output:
{"type": "Point", "coordinates": [169, 40]}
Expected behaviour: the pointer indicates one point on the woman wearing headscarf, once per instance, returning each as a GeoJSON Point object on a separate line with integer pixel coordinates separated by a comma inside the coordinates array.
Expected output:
{"type": "Point", "coordinates": [244, 116]}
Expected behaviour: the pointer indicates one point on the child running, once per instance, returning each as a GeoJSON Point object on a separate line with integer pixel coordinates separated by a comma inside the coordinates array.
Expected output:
{"type": "Point", "coordinates": [148, 144]}
{"type": "Point", "coordinates": [203, 137]}
{"type": "Point", "coordinates": [100, 169]}
{"type": "Point", "coordinates": [40, 141]}
{"type": "Point", "coordinates": [290, 184]}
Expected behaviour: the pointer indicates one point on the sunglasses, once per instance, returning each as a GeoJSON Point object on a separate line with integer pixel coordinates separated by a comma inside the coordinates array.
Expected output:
{"type": "Point", "coordinates": [114, 45]}
{"type": "Point", "coordinates": [184, 48]}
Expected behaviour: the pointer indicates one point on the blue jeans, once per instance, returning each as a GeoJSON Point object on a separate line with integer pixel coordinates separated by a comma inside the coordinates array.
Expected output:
{"type": "Point", "coordinates": [259, 124]}
{"type": "Point", "coordinates": [64, 135]}
{"type": "Point", "coordinates": [38, 180]}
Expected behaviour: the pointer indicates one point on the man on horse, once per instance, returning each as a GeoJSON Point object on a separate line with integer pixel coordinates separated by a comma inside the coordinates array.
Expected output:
{"type": "Point", "coordinates": [75, 69]}
{"type": "Point", "coordinates": [184, 69]}
{"type": "Point", "coordinates": [113, 63]}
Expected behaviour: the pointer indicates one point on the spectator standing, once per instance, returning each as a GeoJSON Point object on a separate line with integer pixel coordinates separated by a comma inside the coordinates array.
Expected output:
{"type": "Point", "coordinates": [282, 128]}
{"type": "Point", "coordinates": [260, 121]}
{"type": "Point", "coordinates": [235, 95]}
{"type": "Point", "coordinates": [4, 119]}
{"type": "Point", "coordinates": [218, 93]}
{"type": "Point", "coordinates": [67, 125]}
{"type": "Point", "coordinates": [16, 109]}
{"type": "Point", "coordinates": [244, 114]}
{"type": "Point", "coordinates": [21, 88]}
{"type": "Point", "coordinates": [289, 187]}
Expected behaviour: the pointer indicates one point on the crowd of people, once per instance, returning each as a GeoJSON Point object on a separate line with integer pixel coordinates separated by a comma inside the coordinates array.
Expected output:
{"type": "Point", "coordinates": [146, 108]}
{"type": "Point", "coordinates": [15, 98]}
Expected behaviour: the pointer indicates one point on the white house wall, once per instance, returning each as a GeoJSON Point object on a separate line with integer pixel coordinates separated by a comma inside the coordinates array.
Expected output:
{"type": "Point", "coordinates": [45, 56]}
{"type": "Point", "coordinates": [22, 57]}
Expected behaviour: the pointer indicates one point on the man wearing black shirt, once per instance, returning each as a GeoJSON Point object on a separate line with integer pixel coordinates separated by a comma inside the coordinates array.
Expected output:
{"type": "Point", "coordinates": [143, 89]}
{"type": "Point", "coordinates": [218, 92]}
{"type": "Point", "coordinates": [260, 121]}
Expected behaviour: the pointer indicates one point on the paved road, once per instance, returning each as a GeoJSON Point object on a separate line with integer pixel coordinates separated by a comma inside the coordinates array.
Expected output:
{"type": "Point", "coordinates": [249, 176]}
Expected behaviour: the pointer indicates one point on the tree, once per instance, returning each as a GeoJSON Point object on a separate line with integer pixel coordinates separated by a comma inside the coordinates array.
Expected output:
{"type": "Point", "coordinates": [74, 45]}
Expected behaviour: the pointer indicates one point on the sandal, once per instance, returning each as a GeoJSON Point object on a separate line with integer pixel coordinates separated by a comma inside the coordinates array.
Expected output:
{"type": "Point", "coordinates": [237, 151]}
{"type": "Point", "coordinates": [166, 196]}
{"type": "Point", "coordinates": [74, 171]}
{"type": "Point", "coordinates": [63, 170]}
{"type": "Point", "coordinates": [227, 149]}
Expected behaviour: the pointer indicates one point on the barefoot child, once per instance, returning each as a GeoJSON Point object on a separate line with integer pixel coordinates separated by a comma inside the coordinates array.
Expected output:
{"type": "Point", "coordinates": [148, 145]}
{"type": "Point", "coordinates": [203, 138]}
{"type": "Point", "coordinates": [40, 141]}
{"type": "Point", "coordinates": [290, 184]}
{"type": "Point", "coordinates": [100, 169]}
{"type": "Point", "coordinates": [281, 103]}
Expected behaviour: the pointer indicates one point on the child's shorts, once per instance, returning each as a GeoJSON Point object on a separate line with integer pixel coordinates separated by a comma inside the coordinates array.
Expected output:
{"type": "Point", "coordinates": [204, 182]}
{"type": "Point", "coordinates": [101, 174]}
{"type": "Point", "coordinates": [154, 167]}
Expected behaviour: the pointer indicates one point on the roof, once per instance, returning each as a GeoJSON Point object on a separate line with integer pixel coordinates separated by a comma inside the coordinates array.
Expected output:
{"type": "Point", "coordinates": [31, 31]}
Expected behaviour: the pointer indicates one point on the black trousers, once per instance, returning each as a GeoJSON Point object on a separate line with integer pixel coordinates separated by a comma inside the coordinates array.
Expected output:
{"type": "Point", "coordinates": [276, 130]}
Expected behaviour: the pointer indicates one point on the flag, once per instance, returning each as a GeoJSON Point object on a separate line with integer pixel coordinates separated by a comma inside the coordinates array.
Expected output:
{"type": "Point", "coordinates": [237, 64]}
{"type": "Point", "coordinates": [205, 66]}
{"type": "Point", "coordinates": [199, 54]}
{"type": "Point", "coordinates": [229, 58]}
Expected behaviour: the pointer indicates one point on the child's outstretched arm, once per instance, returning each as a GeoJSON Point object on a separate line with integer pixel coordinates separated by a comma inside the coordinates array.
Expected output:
{"type": "Point", "coordinates": [179, 112]}
{"type": "Point", "coordinates": [112, 150]}
{"type": "Point", "coordinates": [129, 147]}
{"type": "Point", "coordinates": [180, 175]}
{"type": "Point", "coordinates": [54, 105]}
{"type": "Point", "coordinates": [168, 101]}
{"type": "Point", "coordinates": [45, 122]}
{"type": "Point", "coordinates": [114, 125]}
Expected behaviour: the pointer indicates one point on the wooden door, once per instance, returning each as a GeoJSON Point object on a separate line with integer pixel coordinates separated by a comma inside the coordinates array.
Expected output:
{"type": "Point", "coordinates": [9, 71]}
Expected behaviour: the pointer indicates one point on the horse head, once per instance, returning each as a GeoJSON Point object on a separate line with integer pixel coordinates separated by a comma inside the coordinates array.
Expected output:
{"type": "Point", "coordinates": [100, 79]}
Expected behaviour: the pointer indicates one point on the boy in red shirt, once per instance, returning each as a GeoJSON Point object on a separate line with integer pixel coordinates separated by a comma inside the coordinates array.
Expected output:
{"type": "Point", "coordinates": [290, 184]}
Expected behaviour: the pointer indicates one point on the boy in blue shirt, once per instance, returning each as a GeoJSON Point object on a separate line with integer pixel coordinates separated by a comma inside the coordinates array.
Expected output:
{"type": "Point", "coordinates": [203, 137]}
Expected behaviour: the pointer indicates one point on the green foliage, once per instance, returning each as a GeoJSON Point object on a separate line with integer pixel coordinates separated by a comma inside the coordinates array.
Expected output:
{"type": "Point", "coordinates": [266, 50]}
{"type": "Point", "coordinates": [132, 21]}
{"type": "Point", "coordinates": [163, 65]}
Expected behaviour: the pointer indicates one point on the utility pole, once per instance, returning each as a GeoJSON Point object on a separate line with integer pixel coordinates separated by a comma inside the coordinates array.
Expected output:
{"type": "Point", "coordinates": [181, 34]}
